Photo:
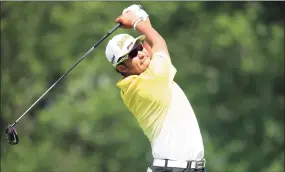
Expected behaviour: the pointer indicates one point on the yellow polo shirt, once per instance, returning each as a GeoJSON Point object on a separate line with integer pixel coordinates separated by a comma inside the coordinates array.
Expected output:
{"type": "Point", "coordinates": [148, 95]}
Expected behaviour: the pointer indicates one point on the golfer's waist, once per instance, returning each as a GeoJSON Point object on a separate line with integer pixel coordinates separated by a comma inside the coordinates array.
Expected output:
{"type": "Point", "coordinates": [193, 164]}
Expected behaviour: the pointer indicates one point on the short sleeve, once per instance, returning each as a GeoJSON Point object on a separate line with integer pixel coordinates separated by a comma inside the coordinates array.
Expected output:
{"type": "Point", "coordinates": [161, 67]}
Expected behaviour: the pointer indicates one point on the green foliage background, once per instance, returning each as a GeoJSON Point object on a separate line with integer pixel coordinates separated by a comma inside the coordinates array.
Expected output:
{"type": "Point", "coordinates": [230, 62]}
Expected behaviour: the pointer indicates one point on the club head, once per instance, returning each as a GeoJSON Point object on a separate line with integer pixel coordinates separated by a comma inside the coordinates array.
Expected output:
{"type": "Point", "coordinates": [12, 135]}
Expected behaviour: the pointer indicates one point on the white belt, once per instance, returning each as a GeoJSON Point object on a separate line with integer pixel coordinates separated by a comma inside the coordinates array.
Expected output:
{"type": "Point", "coordinates": [172, 163]}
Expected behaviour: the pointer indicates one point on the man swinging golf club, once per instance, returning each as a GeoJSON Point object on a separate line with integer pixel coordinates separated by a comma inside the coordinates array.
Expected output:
{"type": "Point", "coordinates": [149, 91]}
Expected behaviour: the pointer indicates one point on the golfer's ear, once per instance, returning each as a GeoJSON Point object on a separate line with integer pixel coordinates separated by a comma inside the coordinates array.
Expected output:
{"type": "Point", "coordinates": [122, 68]}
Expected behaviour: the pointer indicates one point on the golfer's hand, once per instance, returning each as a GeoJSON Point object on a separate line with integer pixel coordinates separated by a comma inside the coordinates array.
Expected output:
{"type": "Point", "coordinates": [127, 19]}
{"type": "Point", "coordinates": [139, 13]}
{"type": "Point", "coordinates": [138, 10]}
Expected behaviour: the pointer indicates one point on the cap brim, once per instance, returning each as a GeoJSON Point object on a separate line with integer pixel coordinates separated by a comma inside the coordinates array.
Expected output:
{"type": "Point", "coordinates": [140, 38]}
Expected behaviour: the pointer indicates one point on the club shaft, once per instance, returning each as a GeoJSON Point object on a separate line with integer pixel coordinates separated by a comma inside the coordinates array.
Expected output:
{"type": "Point", "coordinates": [53, 85]}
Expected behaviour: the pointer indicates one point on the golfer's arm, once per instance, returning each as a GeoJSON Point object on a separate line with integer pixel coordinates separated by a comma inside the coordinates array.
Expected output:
{"type": "Point", "coordinates": [155, 40]}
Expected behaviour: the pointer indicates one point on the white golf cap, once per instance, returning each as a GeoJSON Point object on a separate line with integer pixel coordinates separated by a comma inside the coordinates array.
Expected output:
{"type": "Point", "coordinates": [120, 45]}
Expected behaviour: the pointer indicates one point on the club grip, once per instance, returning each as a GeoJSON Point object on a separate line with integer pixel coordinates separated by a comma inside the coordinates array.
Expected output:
{"type": "Point", "coordinates": [115, 28]}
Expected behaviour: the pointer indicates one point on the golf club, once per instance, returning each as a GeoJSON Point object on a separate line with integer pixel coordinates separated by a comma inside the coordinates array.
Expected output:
{"type": "Point", "coordinates": [11, 133]}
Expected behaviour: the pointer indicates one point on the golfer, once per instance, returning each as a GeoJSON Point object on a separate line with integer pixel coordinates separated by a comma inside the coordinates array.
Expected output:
{"type": "Point", "coordinates": [150, 93]}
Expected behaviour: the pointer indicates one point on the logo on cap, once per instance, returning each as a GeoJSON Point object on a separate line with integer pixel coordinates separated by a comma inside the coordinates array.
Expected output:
{"type": "Point", "coordinates": [122, 41]}
{"type": "Point", "coordinates": [113, 58]}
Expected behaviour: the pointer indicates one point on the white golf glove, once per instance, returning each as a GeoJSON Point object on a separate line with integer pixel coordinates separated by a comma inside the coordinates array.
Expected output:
{"type": "Point", "coordinates": [137, 9]}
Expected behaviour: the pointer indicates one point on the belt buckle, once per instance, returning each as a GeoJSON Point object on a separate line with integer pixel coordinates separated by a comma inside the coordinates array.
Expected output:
{"type": "Point", "coordinates": [200, 164]}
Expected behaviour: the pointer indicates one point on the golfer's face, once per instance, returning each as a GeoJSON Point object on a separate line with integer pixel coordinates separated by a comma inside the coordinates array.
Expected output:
{"type": "Point", "coordinates": [139, 59]}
